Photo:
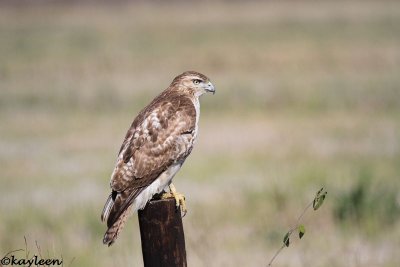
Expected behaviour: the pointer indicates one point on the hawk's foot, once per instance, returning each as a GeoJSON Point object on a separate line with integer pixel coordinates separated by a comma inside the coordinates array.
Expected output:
{"type": "Point", "coordinates": [179, 198]}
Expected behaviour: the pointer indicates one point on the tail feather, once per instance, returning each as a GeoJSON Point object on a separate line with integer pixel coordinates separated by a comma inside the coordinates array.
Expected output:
{"type": "Point", "coordinates": [107, 208]}
{"type": "Point", "coordinates": [115, 212]}
{"type": "Point", "coordinates": [113, 231]}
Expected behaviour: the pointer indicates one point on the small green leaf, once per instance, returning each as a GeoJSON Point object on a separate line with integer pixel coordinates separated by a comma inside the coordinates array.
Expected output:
{"type": "Point", "coordinates": [286, 239]}
{"type": "Point", "coordinates": [302, 230]}
{"type": "Point", "coordinates": [319, 199]}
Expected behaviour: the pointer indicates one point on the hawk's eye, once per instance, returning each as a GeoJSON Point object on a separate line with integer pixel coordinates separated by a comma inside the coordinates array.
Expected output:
{"type": "Point", "coordinates": [196, 81]}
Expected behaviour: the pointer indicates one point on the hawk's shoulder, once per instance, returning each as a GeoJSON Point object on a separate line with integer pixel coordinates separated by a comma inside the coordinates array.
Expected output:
{"type": "Point", "coordinates": [166, 109]}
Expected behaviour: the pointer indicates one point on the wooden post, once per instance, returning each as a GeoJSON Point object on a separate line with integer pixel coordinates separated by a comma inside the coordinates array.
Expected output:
{"type": "Point", "coordinates": [161, 233]}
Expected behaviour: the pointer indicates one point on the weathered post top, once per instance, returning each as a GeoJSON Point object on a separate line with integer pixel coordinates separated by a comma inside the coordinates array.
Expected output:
{"type": "Point", "coordinates": [161, 233]}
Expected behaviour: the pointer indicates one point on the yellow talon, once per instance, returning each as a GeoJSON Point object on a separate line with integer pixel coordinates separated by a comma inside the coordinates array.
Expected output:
{"type": "Point", "coordinates": [179, 198]}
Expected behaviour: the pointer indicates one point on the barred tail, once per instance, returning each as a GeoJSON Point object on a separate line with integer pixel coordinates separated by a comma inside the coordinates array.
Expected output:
{"type": "Point", "coordinates": [116, 210]}
{"type": "Point", "coordinates": [113, 231]}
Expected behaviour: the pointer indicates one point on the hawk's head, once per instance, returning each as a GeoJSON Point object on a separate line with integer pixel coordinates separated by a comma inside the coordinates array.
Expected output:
{"type": "Point", "coordinates": [193, 82]}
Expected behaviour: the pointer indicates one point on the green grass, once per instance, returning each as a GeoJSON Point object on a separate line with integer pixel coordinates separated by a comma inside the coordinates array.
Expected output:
{"type": "Point", "coordinates": [307, 96]}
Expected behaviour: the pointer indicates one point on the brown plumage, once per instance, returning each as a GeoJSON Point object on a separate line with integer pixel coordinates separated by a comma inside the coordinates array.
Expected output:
{"type": "Point", "coordinates": [155, 147]}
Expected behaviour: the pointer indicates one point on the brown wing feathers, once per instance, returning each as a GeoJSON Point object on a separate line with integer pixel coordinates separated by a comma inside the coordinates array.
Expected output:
{"type": "Point", "coordinates": [147, 151]}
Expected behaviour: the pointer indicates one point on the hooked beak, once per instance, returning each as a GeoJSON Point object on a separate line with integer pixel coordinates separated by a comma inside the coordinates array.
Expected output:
{"type": "Point", "coordinates": [210, 88]}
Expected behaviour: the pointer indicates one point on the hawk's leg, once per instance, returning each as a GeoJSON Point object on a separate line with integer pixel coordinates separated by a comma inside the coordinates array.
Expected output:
{"type": "Point", "coordinates": [179, 198]}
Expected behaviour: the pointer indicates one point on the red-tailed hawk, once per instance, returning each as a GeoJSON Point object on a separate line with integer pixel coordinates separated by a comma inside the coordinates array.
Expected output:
{"type": "Point", "coordinates": [155, 147]}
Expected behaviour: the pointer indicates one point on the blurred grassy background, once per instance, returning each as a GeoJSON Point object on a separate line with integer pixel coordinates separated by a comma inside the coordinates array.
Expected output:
{"type": "Point", "coordinates": [308, 95]}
